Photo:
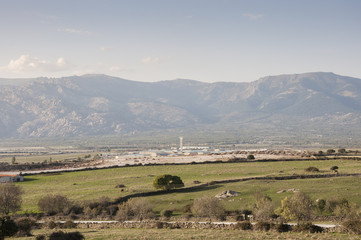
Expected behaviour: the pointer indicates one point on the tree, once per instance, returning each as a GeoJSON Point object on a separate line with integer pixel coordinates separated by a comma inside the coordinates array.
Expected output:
{"type": "Point", "coordinates": [209, 207]}
{"type": "Point", "coordinates": [263, 208]}
{"type": "Point", "coordinates": [8, 227]}
{"type": "Point", "coordinates": [53, 204]}
{"type": "Point", "coordinates": [298, 207]}
{"type": "Point", "coordinates": [13, 159]}
{"type": "Point", "coordinates": [167, 182]}
{"type": "Point", "coordinates": [10, 198]}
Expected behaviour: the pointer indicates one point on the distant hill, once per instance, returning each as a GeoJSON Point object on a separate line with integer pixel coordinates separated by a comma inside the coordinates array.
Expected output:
{"type": "Point", "coordinates": [104, 105]}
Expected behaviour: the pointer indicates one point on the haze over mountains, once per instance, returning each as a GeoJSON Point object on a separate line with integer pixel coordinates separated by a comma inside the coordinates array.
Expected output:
{"type": "Point", "coordinates": [103, 105]}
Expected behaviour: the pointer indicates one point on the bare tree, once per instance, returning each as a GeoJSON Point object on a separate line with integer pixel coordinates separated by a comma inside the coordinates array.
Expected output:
{"type": "Point", "coordinates": [135, 208]}
{"type": "Point", "coordinates": [208, 207]}
{"type": "Point", "coordinates": [10, 198]}
{"type": "Point", "coordinates": [264, 207]}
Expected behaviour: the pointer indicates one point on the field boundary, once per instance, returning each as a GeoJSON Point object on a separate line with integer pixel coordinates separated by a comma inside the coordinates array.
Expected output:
{"type": "Point", "coordinates": [204, 185]}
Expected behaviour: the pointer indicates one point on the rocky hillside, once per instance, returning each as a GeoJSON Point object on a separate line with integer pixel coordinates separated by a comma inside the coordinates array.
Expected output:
{"type": "Point", "coordinates": [99, 104]}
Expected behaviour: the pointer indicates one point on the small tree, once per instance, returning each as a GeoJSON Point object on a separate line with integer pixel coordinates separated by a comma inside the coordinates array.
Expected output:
{"type": "Point", "coordinates": [209, 207]}
{"type": "Point", "coordinates": [167, 182]}
{"type": "Point", "coordinates": [298, 207]}
{"type": "Point", "coordinates": [135, 208]}
{"type": "Point", "coordinates": [13, 160]}
{"type": "Point", "coordinates": [263, 208]}
{"type": "Point", "coordinates": [10, 198]}
{"type": "Point", "coordinates": [53, 204]}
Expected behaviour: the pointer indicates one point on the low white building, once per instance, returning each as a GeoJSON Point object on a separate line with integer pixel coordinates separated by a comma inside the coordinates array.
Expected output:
{"type": "Point", "coordinates": [5, 178]}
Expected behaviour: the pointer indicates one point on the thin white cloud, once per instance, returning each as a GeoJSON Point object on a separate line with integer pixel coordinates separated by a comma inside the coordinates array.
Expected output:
{"type": "Point", "coordinates": [117, 69]}
{"type": "Point", "coordinates": [26, 63]}
{"type": "Point", "coordinates": [253, 16]}
{"type": "Point", "coordinates": [74, 31]}
{"type": "Point", "coordinates": [150, 60]}
{"type": "Point", "coordinates": [106, 48]}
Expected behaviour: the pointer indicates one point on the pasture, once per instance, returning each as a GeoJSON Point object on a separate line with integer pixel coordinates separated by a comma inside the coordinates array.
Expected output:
{"type": "Point", "coordinates": [91, 185]}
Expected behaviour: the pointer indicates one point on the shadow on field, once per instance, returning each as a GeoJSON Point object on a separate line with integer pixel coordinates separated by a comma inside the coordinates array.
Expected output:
{"type": "Point", "coordinates": [27, 179]}
{"type": "Point", "coordinates": [198, 188]}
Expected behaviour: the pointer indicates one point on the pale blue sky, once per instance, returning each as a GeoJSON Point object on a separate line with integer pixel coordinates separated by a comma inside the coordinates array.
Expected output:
{"type": "Point", "coordinates": [205, 40]}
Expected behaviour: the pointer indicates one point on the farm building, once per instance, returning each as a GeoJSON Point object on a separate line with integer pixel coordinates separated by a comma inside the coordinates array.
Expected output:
{"type": "Point", "coordinates": [4, 178]}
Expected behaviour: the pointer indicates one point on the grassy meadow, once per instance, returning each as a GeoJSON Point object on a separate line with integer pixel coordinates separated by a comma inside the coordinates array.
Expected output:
{"type": "Point", "coordinates": [88, 185]}
{"type": "Point", "coordinates": [179, 234]}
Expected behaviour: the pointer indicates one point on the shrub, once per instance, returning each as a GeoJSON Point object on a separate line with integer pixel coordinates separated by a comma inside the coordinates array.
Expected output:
{"type": "Point", "coordinates": [135, 208]}
{"type": "Point", "coordinates": [312, 169]}
{"type": "Point", "coordinates": [60, 235]}
{"type": "Point", "coordinates": [250, 157]}
{"type": "Point", "coordinates": [69, 224]}
{"type": "Point", "coordinates": [167, 182]}
{"type": "Point", "coordinates": [40, 237]}
{"type": "Point", "coordinates": [341, 150]}
{"type": "Point", "coordinates": [25, 225]}
{"type": "Point", "coordinates": [281, 227]}
{"type": "Point", "coordinates": [53, 204]}
{"type": "Point", "coordinates": [166, 213]}
{"type": "Point", "coordinates": [262, 226]}
{"type": "Point", "coordinates": [8, 227]}
{"type": "Point", "coordinates": [352, 226]}
{"type": "Point", "coordinates": [330, 151]}
{"type": "Point", "coordinates": [209, 207]}
{"type": "Point", "coordinates": [243, 225]}
{"type": "Point", "coordinates": [334, 168]}
{"type": "Point", "coordinates": [307, 227]}
{"type": "Point", "coordinates": [52, 225]}
{"type": "Point", "coordinates": [321, 204]}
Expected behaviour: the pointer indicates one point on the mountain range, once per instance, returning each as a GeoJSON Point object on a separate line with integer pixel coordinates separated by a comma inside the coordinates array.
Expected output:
{"type": "Point", "coordinates": [103, 105]}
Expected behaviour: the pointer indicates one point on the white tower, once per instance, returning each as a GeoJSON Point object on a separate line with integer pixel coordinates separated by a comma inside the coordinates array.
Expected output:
{"type": "Point", "coordinates": [181, 144]}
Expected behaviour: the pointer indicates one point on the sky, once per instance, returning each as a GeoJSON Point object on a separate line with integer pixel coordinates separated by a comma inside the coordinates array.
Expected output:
{"type": "Point", "coordinates": [204, 40]}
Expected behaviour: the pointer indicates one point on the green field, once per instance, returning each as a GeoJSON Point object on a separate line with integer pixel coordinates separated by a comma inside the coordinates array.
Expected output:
{"type": "Point", "coordinates": [88, 185]}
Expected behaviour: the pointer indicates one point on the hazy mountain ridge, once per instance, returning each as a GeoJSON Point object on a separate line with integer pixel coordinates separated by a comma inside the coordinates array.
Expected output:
{"type": "Point", "coordinates": [100, 104]}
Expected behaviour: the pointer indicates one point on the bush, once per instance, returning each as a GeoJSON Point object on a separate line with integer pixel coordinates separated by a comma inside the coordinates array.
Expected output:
{"type": "Point", "coordinates": [330, 151]}
{"type": "Point", "coordinates": [8, 227]}
{"type": "Point", "coordinates": [53, 204]}
{"type": "Point", "coordinates": [262, 226]}
{"type": "Point", "coordinates": [167, 182]}
{"type": "Point", "coordinates": [52, 225]}
{"type": "Point", "coordinates": [307, 227]}
{"type": "Point", "coordinates": [321, 204]}
{"type": "Point", "coordinates": [69, 224]}
{"type": "Point", "coordinates": [312, 169]}
{"type": "Point", "coordinates": [166, 213]}
{"type": "Point", "coordinates": [243, 225]}
{"type": "Point", "coordinates": [40, 237]}
{"type": "Point", "coordinates": [334, 168]}
{"type": "Point", "coordinates": [250, 157]}
{"type": "Point", "coordinates": [25, 225]}
{"type": "Point", "coordinates": [209, 207]}
{"type": "Point", "coordinates": [352, 226]}
{"type": "Point", "coordinates": [135, 208]}
{"type": "Point", "coordinates": [60, 235]}
{"type": "Point", "coordinates": [281, 227]}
